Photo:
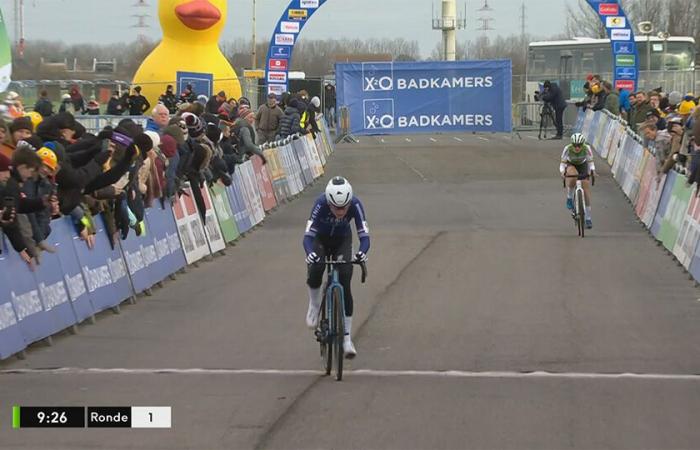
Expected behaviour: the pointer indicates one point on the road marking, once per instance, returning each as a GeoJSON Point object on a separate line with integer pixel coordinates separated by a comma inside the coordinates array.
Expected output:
{"type": "Point", "coordinates": [361, 372]}
{"type": "Point", "coordinates": [416, 171]}
{"type": "Point", "coordinates": [457, 139]}
{"type": "Point", "coordinates": [432, 139]}
{"type": "Point", "coordinates": [483, 138]}
{"type": "Point", "coordinates": [408, 140]}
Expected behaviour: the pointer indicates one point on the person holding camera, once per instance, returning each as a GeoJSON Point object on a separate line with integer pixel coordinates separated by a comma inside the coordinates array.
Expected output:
{"type": "Point", "coordinates": [553, 95]}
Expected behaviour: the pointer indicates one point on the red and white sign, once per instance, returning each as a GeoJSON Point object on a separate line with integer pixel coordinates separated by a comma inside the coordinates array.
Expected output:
{"type": "Point", "coordinates": [278, 64]}
{"type": "Point", "coordinates": [609, 9]}
{"type": "Point", "coordinates": [289, 27]}
{"type": "Point", "coordinates": [284, 39]}
{"type": "Point", "coordinates": [627, 85]}
{"type": "Point", "coordinates": [276, 77]}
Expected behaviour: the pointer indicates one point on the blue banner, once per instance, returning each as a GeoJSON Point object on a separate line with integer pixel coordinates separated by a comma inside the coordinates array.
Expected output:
{"type": "Point", "coordinates": [201, 83]}
{"type": "Point", "coordinates": [620, 31]}
{"type": "Point", "coordinates": [140, 254]}
{"type": "Point", "coordinates": [162, 226]}
{"type": "Point", "coordinates": [62, 236]}
{"type": "Point", "coordinates": [241, 213]}
{"type": "Point", "coordinates": [11, 339]}
{"type": "Point", "coordinates": [426, 97]}
{"type": "Point", "coordinates": [104, 271]}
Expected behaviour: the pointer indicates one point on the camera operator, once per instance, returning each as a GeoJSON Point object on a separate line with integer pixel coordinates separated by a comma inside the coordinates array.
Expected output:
{"type": "Point", "coordinates": [553, 96]}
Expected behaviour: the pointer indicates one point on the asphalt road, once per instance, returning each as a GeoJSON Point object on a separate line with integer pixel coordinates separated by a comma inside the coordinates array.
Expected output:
{"type": "Point", "coordinates": [485, 324]}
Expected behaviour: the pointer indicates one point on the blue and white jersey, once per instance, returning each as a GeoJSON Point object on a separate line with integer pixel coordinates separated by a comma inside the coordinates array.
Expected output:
{"type": "Point", "coordinates": [324, 223]}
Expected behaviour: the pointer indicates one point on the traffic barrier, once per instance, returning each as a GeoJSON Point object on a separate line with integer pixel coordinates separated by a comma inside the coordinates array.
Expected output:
{"type": "Point", "coordinates": [94, 124]}
{"type": "Point", "coordinates": [77, 282]}
{"type": "Point", "coordinates": [664, 203]}
{"type": "Point", "coordinates": [223, 213]}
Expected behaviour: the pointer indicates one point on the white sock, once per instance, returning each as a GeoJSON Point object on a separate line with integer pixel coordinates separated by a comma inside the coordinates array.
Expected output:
{"type": "Point", "coordinates": [587, 210]}
{"type": "Point", "coordinates": [315, 297]}
{"type": "Point", "coordinates": [569, 192]}
{"type": "Point", "coordinates": [348, 326]}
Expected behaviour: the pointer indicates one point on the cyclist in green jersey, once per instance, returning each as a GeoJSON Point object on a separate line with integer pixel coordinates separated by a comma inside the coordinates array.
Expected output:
{"type": "Point", "coordinates": [577, 159]}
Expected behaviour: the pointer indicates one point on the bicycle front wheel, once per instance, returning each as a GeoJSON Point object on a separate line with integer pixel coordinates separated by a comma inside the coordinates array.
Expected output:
{"type": "Point", "coordinates": [338, 332]}
{"type": "Point", "coordinates": [581, 215]}
{"type": "Point", "coordinates": [326, 343]}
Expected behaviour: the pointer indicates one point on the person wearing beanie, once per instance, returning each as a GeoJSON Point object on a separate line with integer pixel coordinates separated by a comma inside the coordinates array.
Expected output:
{"type": "Point", "coordinates": [267, 120]}
{"type": "Point", "coordinates": [66, 104]}
{"type": "Point", "coordinates": [9, 188]}
{"type": "Point", "coordinates": [290, 123]}
{"type": "Point", "coordinates": [93, 107]}
{"type": "Point", "coordinates": [172, 145]}
{"type": "Point", "coordinates": [685, 108]}
{"type": "Point", "coordinates": [195, 127]}
{"type": "Point", "coordinates": [312, 110]}
{"type": "Point", "coordinates": [19, 129]}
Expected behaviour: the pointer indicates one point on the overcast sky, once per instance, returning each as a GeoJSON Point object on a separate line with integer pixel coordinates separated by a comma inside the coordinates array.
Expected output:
{"type": "Point", "coordinates": [105, 21]}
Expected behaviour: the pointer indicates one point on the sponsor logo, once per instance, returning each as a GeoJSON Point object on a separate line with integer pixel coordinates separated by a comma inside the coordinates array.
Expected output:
{"type": "Point", "coordinates": [377, 76]}
{"type": "Point", "coordinates": [609, 9]}
{"type": "Point", "coordinates": [615, 22]}
{"type": "Point", "coordinates": [277, 77]}
{"type": "Point", "coordinates": [623, 48]}
{"type": "Point", "coordinates": [309, 3]}
{"type": "Point", "coordinates": [378, 113]}
{"type": "Point", "coordinates": [625, 60]}
{"type": "Point", "coordinates": [289, 27]}
{"type": "Point", "coordinates": [280, 52]}
{"type": "Point", "coordinates": [620, 35]}
{"type": "Point", "coordinates": [277, 89]}
{"type": "Point", "coordinates": [297, 14]}
{"type": "Point", "coordinates": [625, 73]}
{"type": "Point", "coordinates": [278, 64]}
{"type": "Point", "coordinates": [627, 85]}
{"type": "Point", "coordinates": [284, 39]}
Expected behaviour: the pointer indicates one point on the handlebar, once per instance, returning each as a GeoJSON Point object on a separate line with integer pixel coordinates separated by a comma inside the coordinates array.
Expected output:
{"type": "Point", "coordinates": [363, 266]}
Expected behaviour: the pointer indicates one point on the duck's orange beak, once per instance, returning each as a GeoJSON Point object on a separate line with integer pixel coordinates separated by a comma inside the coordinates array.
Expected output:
{"type": "Point", "coordinates": [198, 14]}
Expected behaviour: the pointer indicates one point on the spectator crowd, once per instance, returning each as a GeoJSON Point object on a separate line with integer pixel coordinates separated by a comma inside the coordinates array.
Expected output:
{"type": "Point", "coordinates": [51, 166]}
{"type": "Point", "coordinates": [667, 122]}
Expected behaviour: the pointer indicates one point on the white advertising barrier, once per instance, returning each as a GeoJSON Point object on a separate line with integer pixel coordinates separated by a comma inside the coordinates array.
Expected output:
{"type": "Point", "coordinates": [212, 230]}
{"type": "Point", "coordinates": [689, 235]}
{"type": "Point", "coordinates": [610, 136]}
{"type": "Point", "coordinates": [292, 169]}
{"type": "Point", "coordinates": [312, 154]}
{"type": "Point", "coordinates": [599, 134]}
{"type": "Point", "coordinates": [632, 168]}
{"type": "Point", "coordinates": [586, 130]}
{"type": "Point", "coordinates": [190, 228]}
{"type": "Point", "coordinates": [250, 186]}
{"type": "Point", "coordinates": [319, 147]}
{"type": "Point", "coordinates": [617, 156]}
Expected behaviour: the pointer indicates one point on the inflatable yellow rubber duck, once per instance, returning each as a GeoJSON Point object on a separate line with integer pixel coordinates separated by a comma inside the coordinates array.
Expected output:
{"type": "Point", "coordinates": [191, 30]}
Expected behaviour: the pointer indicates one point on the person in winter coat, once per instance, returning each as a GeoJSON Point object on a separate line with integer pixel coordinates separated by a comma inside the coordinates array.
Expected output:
{"type": "Point", "coordinates": [44, 106]}
{"type": "Point", "coordinates": [138, 104]}
{"type": "Point", "coordinates": [291, 121]}
{"type": "Point", "coordinates": [612, 99]}
{"type": "Point", "coordinates": [114, 106]}
{"type": "Point", "coordinates": [92, 108]}
{"type": "Point", "coordinates": [215, 102]}
{"type": "Point", "coordinates": [625, 104]}
{"type": "Point", "coordinates": [77, 100]}
{"type": "Point", "coordinates": [312, 110]}
{"type": "Point", "coordinates": [66, 104]}
{"type": "Point", "coordinates": [246, 135]}
{"type": "Point", "coordinates": [553, 95]}
{"type": "Point", "coordinates": [169, 99]}
{"type": "Point", "coordinates": [267, 120]}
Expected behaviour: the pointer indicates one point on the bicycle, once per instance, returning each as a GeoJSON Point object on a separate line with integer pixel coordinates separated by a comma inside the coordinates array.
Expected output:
{"type": "Point", "coordinates": [546, 117]}
{"type": "Point", "coordinates": [331, 328]}
{"type": "Point", "coordinates": [579, 212]}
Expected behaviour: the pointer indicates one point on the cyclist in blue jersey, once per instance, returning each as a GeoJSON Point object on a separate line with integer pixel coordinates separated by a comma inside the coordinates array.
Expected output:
{"type": "Point", "coordinates": [328, 234]}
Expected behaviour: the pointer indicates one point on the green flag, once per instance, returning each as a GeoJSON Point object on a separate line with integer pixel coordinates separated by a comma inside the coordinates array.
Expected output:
{"type": "Point", "coordinates": [5, 56]}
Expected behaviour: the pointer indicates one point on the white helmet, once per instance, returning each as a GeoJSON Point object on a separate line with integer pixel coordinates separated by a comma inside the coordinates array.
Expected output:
{"type": "Point", "coordinates": [339, 192]}
{"type": "Point", "coordinates": [578, 139]}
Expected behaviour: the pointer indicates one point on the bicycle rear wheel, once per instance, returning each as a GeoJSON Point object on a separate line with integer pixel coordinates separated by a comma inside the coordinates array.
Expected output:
{"type": "Point", "coordinates": [326, 343]}
{"type": "Point", "coordinates": [338, 333]}
{"type": "Point", "coordinates": [581, 215]}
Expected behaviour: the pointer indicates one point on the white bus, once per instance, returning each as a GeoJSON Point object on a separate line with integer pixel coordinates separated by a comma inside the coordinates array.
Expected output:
{"type": "Point", "coordinates": [672, 64]}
